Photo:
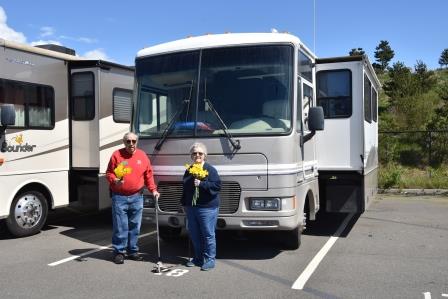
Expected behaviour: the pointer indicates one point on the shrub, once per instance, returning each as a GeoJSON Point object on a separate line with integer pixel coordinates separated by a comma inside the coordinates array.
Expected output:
{"type": "Point", "coordinates": [390, 176]}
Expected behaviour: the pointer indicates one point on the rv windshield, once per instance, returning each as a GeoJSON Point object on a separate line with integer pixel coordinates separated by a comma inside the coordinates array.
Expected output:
{"type": "Point", "coordinates": [249, 88]}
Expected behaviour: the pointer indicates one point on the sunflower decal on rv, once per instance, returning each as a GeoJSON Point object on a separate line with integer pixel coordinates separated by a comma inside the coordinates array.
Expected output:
{"type": "Point", "coordinates": [18, 139]}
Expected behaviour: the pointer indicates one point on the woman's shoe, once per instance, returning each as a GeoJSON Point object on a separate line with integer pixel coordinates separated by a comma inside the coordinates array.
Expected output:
{"type": "Point", "coordinates": [208, 265]}
{"type": "Point", "coordinates": [193, 262]}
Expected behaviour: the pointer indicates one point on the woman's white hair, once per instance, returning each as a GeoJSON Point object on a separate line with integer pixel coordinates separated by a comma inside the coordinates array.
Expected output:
{"type": "Point", "coordinates": [199, 145]}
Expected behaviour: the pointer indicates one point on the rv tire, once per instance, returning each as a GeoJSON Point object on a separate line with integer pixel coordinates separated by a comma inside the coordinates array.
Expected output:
{"type": "Point", "coordinates": [28, 214]}
{"type": "Point", "coordinates": [292, 238]}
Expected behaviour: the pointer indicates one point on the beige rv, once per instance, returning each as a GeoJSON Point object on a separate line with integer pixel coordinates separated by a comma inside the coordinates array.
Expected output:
{"type": "Point", "coordinates": [61, 118]}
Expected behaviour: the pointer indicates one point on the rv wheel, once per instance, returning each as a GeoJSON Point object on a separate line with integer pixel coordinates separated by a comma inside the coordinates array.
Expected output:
{"type": "Point", "coordinates": [292, 238]}
{"type": "Point", "coordinates": [28, 214]}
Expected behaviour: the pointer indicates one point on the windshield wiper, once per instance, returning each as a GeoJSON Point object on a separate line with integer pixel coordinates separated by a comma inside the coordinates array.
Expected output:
{"type": "Point", "coordinates": [235, 143]}
{"type": "Point", "coordinates": [172, 120]}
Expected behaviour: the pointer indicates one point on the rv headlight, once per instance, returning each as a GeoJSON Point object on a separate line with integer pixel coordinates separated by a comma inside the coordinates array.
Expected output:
{"type": "Point", "coordinates": [265, 204]}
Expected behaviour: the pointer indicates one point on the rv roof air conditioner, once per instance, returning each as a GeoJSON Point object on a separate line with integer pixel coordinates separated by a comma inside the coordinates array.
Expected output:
{"type": "Point", "coordinates": [57, 48]}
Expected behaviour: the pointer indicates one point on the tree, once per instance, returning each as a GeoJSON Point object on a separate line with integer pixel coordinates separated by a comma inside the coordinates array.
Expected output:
{"type": "Point", "coordinates": [356, 51]}
{"type": "Point", "coordinates": [443, 60]}
{"type": "Point", "coordinates": [424, 78]}
{"type": "Point", "coordinates": [383, 55]}
{"type": "Point", "coordinates": [411, 103]}
{"type": "Point", "coordinates": [401, 82]}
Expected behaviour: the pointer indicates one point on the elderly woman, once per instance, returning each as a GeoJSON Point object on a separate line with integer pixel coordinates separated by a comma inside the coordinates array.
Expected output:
{"type": "Point", "coordinates": [202, 210]}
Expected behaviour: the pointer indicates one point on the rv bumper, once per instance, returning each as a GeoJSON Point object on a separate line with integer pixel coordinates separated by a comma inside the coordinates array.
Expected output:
{"type": "Point", "coordinates": [226, 222]}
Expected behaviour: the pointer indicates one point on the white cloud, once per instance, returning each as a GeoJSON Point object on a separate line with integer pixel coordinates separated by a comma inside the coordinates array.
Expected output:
{"type": "Point", "coordinates": [8, 33]}
{"type": "Point", "coordinates": [44, 42]}
{"type": "Point", "coordinates": [86, 40]}
{"type": "Point", "coordinates": [97, 54]}
{"type": "Point", "coordinates": [46, 31]}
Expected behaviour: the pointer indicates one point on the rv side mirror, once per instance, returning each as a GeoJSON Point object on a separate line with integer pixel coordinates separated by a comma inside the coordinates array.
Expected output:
{"type": "Point", "coordinates": [8, 115]}
{"type": "Point", "coordinates": [316, 119]}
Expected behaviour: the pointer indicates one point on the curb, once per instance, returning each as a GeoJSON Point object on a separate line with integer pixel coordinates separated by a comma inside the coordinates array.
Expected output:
{"type": "Point", "coordinates": [414, 191]}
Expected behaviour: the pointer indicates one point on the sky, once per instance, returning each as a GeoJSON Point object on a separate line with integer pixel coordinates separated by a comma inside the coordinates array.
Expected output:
{"type": "Point", "coordinates": [116, 31]}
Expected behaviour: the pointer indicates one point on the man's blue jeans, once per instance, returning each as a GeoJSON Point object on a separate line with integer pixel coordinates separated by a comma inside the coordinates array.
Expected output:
{"type": "Point", "coordinates": [201, 225]}
{"type": "Point", "coordinates": [127, 219]}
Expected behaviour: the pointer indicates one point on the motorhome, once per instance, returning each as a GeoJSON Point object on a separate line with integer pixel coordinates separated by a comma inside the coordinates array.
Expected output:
{"type": "Point", "coordinates": [255, 101]}
{"type": "Point", "coordinates": [61, 118]}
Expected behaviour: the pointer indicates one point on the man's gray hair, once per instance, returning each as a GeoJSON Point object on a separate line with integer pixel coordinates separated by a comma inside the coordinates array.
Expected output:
{"type": "Point", "coordinates": [126, 136]}
{"type": "Point", "coordinates": [199, 145]}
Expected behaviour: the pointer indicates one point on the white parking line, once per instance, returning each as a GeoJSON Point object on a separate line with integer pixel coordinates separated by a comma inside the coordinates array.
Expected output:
{"type": "Point", "coordinates": [74, 257]}
{"type": "Point", "coordinates": [306, 274]}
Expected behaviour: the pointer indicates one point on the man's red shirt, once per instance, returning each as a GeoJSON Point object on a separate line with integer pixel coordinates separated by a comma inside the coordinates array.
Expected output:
{"type": "Point", "coordinates": [141, 172]}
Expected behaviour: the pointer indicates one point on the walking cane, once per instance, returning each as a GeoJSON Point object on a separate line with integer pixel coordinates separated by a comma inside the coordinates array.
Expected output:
{"type": "Point", "coordinates": [159, 267]}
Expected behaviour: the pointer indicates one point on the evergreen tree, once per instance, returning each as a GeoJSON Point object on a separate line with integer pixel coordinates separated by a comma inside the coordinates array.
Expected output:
{"type": "Point", "coordinates": [411, 103]}
{"type": "Point", "coordinates": [424, 78]}
{"type": "Point", "coordinates": [383, 55]}
{"type": "Point", "coordinates": [356, 51]}
{"type": "Point", "coordinates": [401, 82]}
{"type": "Point", "coordinates": [443, 60]}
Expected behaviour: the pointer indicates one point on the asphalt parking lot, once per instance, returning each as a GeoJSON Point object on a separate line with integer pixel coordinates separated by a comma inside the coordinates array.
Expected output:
{"type": "Point", "coordinates": [397, 249]}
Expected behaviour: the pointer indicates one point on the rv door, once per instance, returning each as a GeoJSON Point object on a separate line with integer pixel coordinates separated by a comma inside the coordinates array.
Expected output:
{"type": "Point", "coordinates": [84, 94]}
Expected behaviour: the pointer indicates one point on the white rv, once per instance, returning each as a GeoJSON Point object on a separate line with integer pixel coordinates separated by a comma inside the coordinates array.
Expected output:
{"type": "Point", "coordinates": [61, 118]}
{"type": "Point", "coordinates": [347, 150]}
{"type": "Point", "coordinates": [251, 99]}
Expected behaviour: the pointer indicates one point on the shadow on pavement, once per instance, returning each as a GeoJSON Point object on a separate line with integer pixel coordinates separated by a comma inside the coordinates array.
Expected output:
{"type": "Point", "coordinates": [327, 224]}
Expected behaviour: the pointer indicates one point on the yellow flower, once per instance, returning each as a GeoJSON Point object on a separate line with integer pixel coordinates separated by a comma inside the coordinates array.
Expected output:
{"type": "Point", "coordinates": [122, 170]}
{"type": "Point", "coordinates": [197, 171]}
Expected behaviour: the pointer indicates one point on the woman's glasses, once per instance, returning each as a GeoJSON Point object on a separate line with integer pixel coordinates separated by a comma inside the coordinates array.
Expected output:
{"type": "Point", "coordinates": [197, 154]}
{"type": "Point", "coordinates": [129, 141]}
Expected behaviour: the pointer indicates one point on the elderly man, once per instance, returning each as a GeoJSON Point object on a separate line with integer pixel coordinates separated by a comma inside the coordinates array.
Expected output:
{"type": "Point", "coordinates": [128, 172]}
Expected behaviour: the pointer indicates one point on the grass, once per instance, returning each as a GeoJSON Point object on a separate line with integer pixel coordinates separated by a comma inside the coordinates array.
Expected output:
{"type": "Point", "coordinates": [401, 177]}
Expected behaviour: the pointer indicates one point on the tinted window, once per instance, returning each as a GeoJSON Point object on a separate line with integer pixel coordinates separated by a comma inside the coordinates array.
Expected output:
{"type": "Point", "coordinates": [245, 90]}
{"type": "Point", "coordinates": [307, 102]}
{"type": "Point", "coordinates": [33, 103]}
{"type": "Point", "coordinates": [166, 90]}
{"type": "Point", "coordinates": [334, 93]}
{"type": "Point", "coordinates": [249, 87]}
{"type": "Point", "coordinates": [83, 96]}
{"type": "Point", "coordinates": [374, 105]}
{"type": "Point", "coordinates": [367, 100]}
{"type": "Point", "coordinates": [305, 67]}
{"type": "Point", "coordinates": [122, 105]}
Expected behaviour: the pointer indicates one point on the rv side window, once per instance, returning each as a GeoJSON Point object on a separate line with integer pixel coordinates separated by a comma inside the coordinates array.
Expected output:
{"type": "Point", "coordinates": [298, 103]}
{"type": "Point", "coordinates": [374, 105]}
{"type": "Point", "coordinates": [83, 96]}
{"type": "Point", "coordinates": [334, 93]}
{"type": "Point", "coordinates": [153, 110]}
{"type": "Point", "coordinates": [33, 103]}
{"type": "Point", "coordinates": [122, 105]}
{"type": "Point", "coordinates": [305, 67]}
{"type": "Point", "coordinates": [367, 100]}
{"type": "Point", "coordinates": [307, 102]}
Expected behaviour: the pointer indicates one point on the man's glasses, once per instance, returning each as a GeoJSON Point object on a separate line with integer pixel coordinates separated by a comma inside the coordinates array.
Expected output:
{"type": "Point", "coordinates": [129, 141]}
{"type": "Point", "coordinates": [197, 154]}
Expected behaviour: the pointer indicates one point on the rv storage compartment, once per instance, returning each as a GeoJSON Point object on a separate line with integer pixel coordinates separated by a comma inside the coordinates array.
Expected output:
{"type": "Point", "coordinates": [341, 191]}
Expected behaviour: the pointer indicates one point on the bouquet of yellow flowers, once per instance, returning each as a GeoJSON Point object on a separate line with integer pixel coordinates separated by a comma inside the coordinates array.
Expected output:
{"type": "Point", "coordinates": [122, 170]}
{"type": "Point", "coordinates": [199, 173]}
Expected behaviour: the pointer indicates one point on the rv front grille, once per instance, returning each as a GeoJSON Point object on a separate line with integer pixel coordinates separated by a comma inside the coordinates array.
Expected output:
{"type": "Point", "coordinates": [171, 193]}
